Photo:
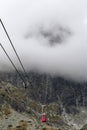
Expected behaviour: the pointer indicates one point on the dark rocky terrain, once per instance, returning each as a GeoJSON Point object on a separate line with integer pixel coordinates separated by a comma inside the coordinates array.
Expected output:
{"type": "Point", "coordinates": [65, 100]}
{"type": "Point", "coordinates": [47, 89]}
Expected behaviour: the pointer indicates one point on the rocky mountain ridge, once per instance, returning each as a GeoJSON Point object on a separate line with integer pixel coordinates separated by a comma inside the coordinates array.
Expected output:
{"type": "Point", "coordinates": [47, 89]}
{"type": "Point", "coordinates": [65, 100]}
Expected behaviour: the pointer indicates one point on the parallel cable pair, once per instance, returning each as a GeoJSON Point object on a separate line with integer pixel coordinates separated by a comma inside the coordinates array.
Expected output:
{"type": "Point", "coordinates": [12, 63]}
{"type": "Point", "coordinates": [16, 55]}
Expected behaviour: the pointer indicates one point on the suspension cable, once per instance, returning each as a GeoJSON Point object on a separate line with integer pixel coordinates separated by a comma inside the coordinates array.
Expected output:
{"type": "Point", "coordinates": [15, 51]}
{"type": "Point", "coordinates": [13, 64]}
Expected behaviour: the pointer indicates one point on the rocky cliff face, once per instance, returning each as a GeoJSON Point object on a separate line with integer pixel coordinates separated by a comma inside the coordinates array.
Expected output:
{"type": "Point", "coordinates": [47, 89]}
{"type": "Point", "coordinates": [14, 103]}
{"type": "Point", "coordinates": [65, 100]}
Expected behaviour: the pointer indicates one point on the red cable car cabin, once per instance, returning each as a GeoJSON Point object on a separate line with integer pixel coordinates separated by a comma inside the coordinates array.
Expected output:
{"type": "Point", "coordinates": [44, 117]}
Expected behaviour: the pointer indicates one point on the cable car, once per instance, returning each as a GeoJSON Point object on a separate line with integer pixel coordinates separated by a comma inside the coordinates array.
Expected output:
{"type": "Point", "coordinates": [44, 119]}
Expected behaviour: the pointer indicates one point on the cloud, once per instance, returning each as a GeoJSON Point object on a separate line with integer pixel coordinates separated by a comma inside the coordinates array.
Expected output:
{"type": "Point", "coordinates": [50, 36]}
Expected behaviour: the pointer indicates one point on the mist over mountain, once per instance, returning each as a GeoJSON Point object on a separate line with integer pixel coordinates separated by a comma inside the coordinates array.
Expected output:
{"type": "Point", "coordinates": [50, 36]}
{"type": "Point", "coordinates": [55, 34]}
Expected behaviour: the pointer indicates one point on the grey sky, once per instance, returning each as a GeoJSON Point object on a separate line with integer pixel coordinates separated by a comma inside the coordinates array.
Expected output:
{"type": "Point", "coordinates": [24, 20]}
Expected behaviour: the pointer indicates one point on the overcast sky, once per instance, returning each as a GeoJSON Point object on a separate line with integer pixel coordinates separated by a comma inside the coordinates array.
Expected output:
{"type": "Point", "coordinates": [32, 25]}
